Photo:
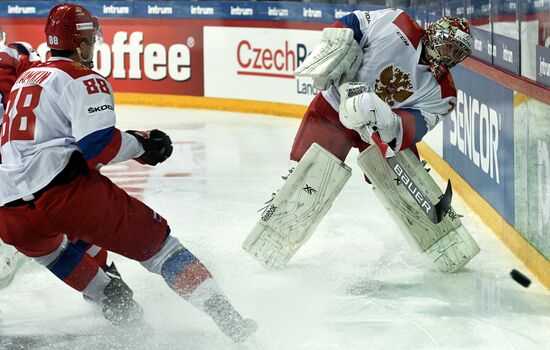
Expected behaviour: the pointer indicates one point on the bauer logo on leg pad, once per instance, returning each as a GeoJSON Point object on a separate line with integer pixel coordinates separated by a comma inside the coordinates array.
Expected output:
{"type": "Point", "coordinates": [447, 244]}
{"type": "Point", "coordinates": [412, 188]}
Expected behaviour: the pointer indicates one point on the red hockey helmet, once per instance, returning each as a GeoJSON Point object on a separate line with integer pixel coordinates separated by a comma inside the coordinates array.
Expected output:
{"type": "Point", "coordinates": [68, 25]}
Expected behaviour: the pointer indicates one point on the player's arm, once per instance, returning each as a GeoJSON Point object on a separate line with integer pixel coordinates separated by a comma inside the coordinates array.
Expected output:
{"type": "Point", "coordinates": [337, 58]}
{"type": "Point", "coordinates": [416, 122]}
{"type": "Point", "coordinates": [88, 102]}
{"type": "Point", "coordinates": [413, 127]}
{"type": "Point", "coordinates": [359, 108]}
{"type": "Point", "coordinates": [339, 55]}
{"type": "Point", "coordinates": [358, 21]}
{"type": "Point", "coordinates": [399, 128]}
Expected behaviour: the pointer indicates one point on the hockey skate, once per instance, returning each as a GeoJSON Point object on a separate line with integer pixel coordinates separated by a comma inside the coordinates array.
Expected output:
{"type": "Point", "coordinates": [228, 319]}
{"type": "Point", "coordinates": [119, 307]}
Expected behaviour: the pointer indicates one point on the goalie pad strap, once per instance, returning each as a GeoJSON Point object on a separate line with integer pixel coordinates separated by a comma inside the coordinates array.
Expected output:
{"type": "Point", "coordinates": [291, 217]}
{"type": "Point", "coordinates": [448, 245]}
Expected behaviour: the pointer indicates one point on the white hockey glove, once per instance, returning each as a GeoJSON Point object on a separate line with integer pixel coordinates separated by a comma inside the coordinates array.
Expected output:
{"type": "Point", "coordinates": [335, 60]}
{"type": "Point", "coordinates": [360, 109]}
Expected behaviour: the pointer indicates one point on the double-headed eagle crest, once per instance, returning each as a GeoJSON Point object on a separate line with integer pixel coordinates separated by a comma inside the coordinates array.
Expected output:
{"type": "Point", "coordinates": [394, 85]}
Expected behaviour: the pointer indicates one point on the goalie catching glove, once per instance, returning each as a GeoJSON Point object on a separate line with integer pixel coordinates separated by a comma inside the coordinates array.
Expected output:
{"type": "Point", "coordinates": [156, 144]}
{"type": "Point", "coordinates": [359, 109]}
{"type": "Point", "coordinates": [335, 60]}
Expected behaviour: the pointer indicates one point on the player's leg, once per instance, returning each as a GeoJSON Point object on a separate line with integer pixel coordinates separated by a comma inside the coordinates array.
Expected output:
{"type": "Point", "coordinates": [290, 218]}
{"type": "Point", "coordinates": [297, 208]}
{"type": "Point", "coordinates": [448, 245]}
{"type": "Point", "coordinates": [29, 229]}
{"type": "Point", "coordinates": [97, 253]}
{"type": "Point", "coordinates": [188, 277]}
{"type": "Point", "coordinates": [128, 227]}
{"type": "Point", "coordinates": [12, 260]}
{"type": "Point", "coordinates": [78, 269]}
{"type": "Point", "coordinates": [118, 294]}
{"type": "Point", "coordinates": [321, 125]}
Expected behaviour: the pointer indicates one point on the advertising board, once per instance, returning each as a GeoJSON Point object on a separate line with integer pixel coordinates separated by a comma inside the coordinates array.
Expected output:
{"type": "Point", "coordinates": [257, 63]}
{"type": "Point", "coordinates": [478, 139]}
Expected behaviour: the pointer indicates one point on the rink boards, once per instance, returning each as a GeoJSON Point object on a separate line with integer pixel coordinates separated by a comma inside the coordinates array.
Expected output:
{"type": "Point", "coordinates": [494, 146]}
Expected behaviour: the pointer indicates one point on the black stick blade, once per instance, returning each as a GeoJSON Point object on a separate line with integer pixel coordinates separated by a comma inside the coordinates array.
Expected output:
{"type": "Point", "coordinates": [444, 204]}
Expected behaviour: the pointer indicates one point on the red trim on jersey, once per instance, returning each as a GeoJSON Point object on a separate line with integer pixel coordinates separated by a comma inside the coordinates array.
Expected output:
{"type": "Point", "coordinates": [109, 152]}
{"type": "Point", "coordinates": [74, 69]}
{"type": "Point", "coordinates": [447, 85]}
{"type": "Point", "coordinates": [83, 273]}
{"type": "Point", "coordinates": [338, 24]}
{"type": "Point", "coordinates": [410, 28]}
{"type": "Point", "coordinates": [408, 121]}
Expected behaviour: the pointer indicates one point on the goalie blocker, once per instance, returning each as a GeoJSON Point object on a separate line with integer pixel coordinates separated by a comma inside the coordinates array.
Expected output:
{"type": "Point", "coordinates": [447, 244]}
{"type": "Point", "coordinates": [291, 217]}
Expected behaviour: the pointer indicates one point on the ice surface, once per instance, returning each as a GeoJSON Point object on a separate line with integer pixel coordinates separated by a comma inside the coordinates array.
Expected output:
{"type": "Point", "coordinates": [355, 285]}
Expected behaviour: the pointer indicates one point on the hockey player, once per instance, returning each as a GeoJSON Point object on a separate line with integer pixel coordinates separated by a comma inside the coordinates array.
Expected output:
{"type": "Point", "coordinates": [402, 88]}
{"type": "Point", "coordinates": [16, 58]}
{"type": "Point", "coordinates": [59, 128]}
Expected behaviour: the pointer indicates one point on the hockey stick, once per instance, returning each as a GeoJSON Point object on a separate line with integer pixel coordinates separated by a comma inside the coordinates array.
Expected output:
{"type": "Point", "coordinates": [434, 212]}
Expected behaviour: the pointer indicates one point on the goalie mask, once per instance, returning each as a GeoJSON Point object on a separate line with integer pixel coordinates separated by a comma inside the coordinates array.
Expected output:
{"type": "Point", "coordinates": [448, 42]}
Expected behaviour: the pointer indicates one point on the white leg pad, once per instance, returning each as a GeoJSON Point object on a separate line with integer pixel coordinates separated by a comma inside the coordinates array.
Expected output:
{"type": "Point", "coordinates": [448, 245]}
{"type": "Point", "coordinates": [297, 208]}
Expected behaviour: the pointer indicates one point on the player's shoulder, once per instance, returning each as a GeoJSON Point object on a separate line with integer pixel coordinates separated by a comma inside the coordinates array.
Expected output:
{"type": "Point", "coordinates": [18, 49]}
{"type": "Point", "coordinates": [407, 26]}
{"type": "Point", "coordinates": [73, 69]}
{"type": "Point", "coordinates": [385, 15]}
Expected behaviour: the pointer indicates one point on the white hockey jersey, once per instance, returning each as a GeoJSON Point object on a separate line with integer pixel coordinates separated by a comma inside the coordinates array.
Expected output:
{"type": "Point", "coordinates": [54, 109]}
{"type": "Point", "coordinates": [392, 45]}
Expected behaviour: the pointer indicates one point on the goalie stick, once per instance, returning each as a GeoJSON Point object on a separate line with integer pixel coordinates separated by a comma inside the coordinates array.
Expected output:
{"type": "Point", "coordinates": [434, 212]}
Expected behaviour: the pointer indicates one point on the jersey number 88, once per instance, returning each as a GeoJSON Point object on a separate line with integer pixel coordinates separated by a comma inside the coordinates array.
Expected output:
{"type": "Point", "coordinates": [22, 126]}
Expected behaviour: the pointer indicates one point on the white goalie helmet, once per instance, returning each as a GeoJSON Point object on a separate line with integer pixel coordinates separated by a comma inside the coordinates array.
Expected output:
{"type": "Point", "coordinates": [448, 42]}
